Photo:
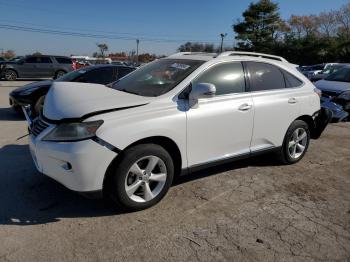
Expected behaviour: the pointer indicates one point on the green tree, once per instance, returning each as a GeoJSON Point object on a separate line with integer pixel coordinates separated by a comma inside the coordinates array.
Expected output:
{"type": "Point", "coordinates": [196, 47]}
{"type": "Point", "coordinates": [257, 31]}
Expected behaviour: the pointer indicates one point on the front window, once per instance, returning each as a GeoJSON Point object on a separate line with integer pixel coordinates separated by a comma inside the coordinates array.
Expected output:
{"type": "Point", "coordinates": [157, 78]}
{"type": "Point", "coordinates": [342, 75]}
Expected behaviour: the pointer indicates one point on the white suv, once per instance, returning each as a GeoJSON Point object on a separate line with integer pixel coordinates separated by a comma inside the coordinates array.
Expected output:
{"type": "Point", "coordinates": [174, 115]}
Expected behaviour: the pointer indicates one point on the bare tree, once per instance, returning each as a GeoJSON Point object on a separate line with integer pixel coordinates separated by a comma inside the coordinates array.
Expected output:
{"type": "Point", "coordinates": [103, 48]}
{"type": "Point", "coordinates": [343, 18]}
{"type": "Point", "coordinates": [327, 23]}
{"type": "Point", "coordinates": [9, 54]}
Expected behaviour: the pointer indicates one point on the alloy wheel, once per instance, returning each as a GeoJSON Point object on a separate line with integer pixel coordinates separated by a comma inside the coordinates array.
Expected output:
{"type": "Point", "coordinates": [145, 179]}
{"type": "Point", "coordinates": [297, 143]}
{"type": "Point", "coordinates": [10, 75]}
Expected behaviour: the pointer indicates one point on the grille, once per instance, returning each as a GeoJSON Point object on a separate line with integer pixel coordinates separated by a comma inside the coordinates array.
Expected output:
{"type": "Point", "coordinates": [38, 126]}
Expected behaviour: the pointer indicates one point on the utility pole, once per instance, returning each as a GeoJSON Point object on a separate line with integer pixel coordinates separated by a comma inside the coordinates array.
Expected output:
{"type": "Point", "coordinates": [222, 41]}
{"type": "Point", "coordinates": [137, 50]}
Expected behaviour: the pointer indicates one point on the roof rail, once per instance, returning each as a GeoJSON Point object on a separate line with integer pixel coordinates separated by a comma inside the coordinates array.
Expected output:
{"type": "Point", "coordinates": [192, 53]}
{"type": "Point", "coordinates": [240, 53]}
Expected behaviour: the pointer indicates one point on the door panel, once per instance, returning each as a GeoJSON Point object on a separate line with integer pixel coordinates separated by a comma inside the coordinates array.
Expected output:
{"type": "Point", "coordinates": [218, 129]}
{"type": "Point", "coordinates": [275, 106]}
{"type": "Point", "coordinates": [273, 114]}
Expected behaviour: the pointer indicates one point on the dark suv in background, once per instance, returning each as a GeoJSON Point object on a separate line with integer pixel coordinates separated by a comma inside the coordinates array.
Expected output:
{"type": "Point", "coordinates": [36, 66]}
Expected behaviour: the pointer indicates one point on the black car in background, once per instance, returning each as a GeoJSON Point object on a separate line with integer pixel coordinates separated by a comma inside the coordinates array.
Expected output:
{"type": "Point", "coordinates": [33, 94]}
{"type": "Point", "coordinates": [36, 66]}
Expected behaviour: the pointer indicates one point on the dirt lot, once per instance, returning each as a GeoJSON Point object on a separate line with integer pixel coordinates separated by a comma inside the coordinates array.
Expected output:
{"type": "Point", "coordinates": [251, 210]}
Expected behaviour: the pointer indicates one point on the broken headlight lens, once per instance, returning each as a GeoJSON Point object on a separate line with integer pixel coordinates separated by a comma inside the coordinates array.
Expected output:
{"type": "Point", "coordinates": [68, 132]}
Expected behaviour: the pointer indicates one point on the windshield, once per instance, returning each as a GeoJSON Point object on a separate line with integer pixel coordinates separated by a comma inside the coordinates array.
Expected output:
{"type": "Point", "coordinates": [158, 77]}
{"type": "Point", "coordinates": [342, 75]}
{"type": "Point", "coordinates": [71, 76]}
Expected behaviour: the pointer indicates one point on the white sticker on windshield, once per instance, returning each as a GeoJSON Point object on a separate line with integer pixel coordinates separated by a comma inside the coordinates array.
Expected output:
{"type": "Point", "coordinates": [82, 71]}
{"type": "Point", "coordinates": [180, 66]}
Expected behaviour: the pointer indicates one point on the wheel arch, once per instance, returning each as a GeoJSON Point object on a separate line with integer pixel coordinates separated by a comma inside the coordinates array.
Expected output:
{"type": "Point", "coordinates": [167, 143]}
{"type": "Point", "coordinates": [12, 69]}
{"type": "Point", "coordinates": [310, 122]}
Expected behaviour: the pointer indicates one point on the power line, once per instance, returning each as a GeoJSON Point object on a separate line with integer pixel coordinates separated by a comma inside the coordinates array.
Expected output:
{"type": "Point", "coordinates": [136, 35]}
{"type": "Point", "coordinates": [91, 35]}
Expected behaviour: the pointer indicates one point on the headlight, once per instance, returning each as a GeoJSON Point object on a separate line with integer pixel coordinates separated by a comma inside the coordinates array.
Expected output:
{"type": "Point", "coordinates": [345, 95]}
{"type": "Point", "coordinates": [69, 132]}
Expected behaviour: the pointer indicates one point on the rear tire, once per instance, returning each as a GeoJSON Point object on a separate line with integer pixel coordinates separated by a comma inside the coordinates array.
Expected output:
{"type": "Point", "coordinates": [10, 75]}
{"type": "Point", "coordinates": [142, 177]}
{"type": "Point", "coordinates": [296, 142]}
{"type": "Point", "coordinates": [59, 73]}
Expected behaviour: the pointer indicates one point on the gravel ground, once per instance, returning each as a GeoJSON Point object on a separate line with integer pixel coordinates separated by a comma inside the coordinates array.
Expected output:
{"type": "Point", "coordinates": [251, 210]}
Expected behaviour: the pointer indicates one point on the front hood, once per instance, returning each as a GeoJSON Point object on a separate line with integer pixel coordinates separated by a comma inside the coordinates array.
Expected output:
{"type": "Point", "coordinates": [67, 100]}
{"type": "Point", "coordinates": [333, 86]}
{"type": "Point", "coordinates": [39, 84]}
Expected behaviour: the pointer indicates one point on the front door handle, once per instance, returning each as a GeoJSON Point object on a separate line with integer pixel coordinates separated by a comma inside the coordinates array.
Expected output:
{"type": "Point", "coordinates": [244, 107]}
{"type": "Point", "coordinates": [292, 100]}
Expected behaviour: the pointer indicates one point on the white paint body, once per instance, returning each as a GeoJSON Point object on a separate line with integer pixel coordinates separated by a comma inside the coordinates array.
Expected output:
{"type": "Point", "coordinates": [214, 130]}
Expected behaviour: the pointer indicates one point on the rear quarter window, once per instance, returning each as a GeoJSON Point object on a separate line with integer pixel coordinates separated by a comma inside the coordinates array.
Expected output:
{"type": "Point", "coordinates": [291, 80]}
{"type": "Point", "coordinates": [265, 76]}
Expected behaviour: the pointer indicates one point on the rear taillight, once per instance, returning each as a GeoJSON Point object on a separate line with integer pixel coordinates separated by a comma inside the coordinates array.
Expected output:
{"type": "Point", "coordinates": [318, 92]}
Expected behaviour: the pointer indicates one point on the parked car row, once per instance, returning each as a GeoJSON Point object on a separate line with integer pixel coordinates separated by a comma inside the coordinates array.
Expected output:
{"type": "Point", "coordinates": [321, 71]}
{"type": "Point", "coordinates": [336, 93]}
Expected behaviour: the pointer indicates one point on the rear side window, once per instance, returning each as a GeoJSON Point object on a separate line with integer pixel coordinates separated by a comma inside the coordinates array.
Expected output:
{"type": "Point", "coordinates": [228, 78]}
{"type": "Point", "coordinates": [44, 60]}
{"type": "Point", "coordinates": [291, 81]}
{"type": "Point", "coordinates": [265, 77]}
{"type": "Point", "coordinates": [63, 60]}
{"type": "Point", "coordinates": [102, 76]}
{"type": "Point", "coordinates": [123, 71]}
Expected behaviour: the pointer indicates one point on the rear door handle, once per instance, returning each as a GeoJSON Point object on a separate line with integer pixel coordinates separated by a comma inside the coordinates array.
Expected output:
{"type": "Point", "coordinates": [292, 100]}
{"type": "Point", "coordinates": [244, 107]}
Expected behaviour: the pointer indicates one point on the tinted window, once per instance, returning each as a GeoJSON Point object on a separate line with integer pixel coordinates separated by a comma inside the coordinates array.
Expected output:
{"type": "Point", "coordinates": [63, 60]}
{"type": "Point", "coordinates": [228, 78]}
{"type": "Point", "coordinates": [44, 60]}
{"type": "Point", "coordinates": [98, 76]}
{"type": "Point", "coordinates": [291, 81]}
{"type": "Point", "coordinates": [31, 59]}
{"type": "Point", "coordinates": [342, 75]}
{"type": "Point", "coordinates": [265, 77]}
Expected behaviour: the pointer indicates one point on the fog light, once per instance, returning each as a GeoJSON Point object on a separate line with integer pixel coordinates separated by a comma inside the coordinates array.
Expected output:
{"type": "Point", "coordinates": [67, 166]}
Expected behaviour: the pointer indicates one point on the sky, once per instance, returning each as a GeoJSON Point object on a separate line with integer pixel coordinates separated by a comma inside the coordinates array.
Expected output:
{"type": "Point", "coordinates": [162, 26]}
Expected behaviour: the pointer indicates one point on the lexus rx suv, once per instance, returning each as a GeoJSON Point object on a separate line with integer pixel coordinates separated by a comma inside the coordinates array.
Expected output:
{"type": "Point", "coordinates": [170, 117]}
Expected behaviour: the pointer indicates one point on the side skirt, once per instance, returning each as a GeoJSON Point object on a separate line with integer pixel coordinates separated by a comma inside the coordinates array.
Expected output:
{"type": "Point", "coordinates": [223, 161]}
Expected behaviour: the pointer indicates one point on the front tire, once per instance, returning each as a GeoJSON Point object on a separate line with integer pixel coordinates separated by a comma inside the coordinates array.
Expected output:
{"type": "Point", "coordinates": [10, 75]}
{"type": "Point", "coordinates": [38, 106]}
{"type": "Point", "coordinates": [296, 142]}
{"type": "Point", "coordinates": [142, 177]}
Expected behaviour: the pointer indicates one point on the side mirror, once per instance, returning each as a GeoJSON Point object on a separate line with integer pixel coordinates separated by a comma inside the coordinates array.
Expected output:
{"type": "Point", "coordinates": [201, 90]}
